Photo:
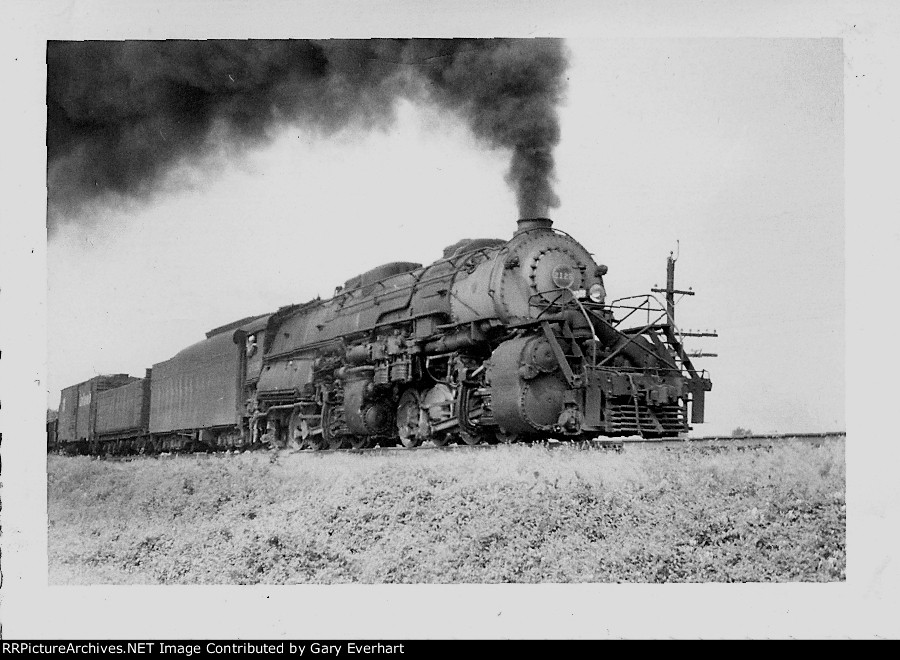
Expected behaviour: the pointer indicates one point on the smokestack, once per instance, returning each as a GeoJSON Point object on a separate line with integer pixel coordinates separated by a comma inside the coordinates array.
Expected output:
{"type": "Point", "coordinates": [527, 224]}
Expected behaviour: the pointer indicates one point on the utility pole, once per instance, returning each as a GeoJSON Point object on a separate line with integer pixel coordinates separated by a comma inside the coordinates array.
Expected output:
{"type": "Point", "coordinates": [670, 292]}
{"type": "Point", "coordinates": [670, 289]}
{"type": "Point", "coordinates": [698, 383]}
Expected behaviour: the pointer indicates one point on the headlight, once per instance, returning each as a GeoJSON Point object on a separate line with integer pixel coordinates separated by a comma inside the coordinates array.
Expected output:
{"type": "Point", "coordinates": [597, 293]}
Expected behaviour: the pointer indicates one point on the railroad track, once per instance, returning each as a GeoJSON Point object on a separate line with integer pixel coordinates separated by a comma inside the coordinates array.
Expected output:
{"type": "Point", "coordinates": [771, 436]}
{"type": "Point", "coordinates": [743, 442]}
{"type": "Point", "coordinates": [714, 442]}
{"type": "Point", "coordinates": [613, 444]}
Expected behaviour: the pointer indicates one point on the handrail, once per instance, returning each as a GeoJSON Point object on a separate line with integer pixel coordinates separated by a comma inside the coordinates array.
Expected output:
{"type": "Point", "coordinates": [630, 340]}
{"type": "Point", "coordinates": [632, 334]}
{"type": "Point", "coordinates": [644, 305]}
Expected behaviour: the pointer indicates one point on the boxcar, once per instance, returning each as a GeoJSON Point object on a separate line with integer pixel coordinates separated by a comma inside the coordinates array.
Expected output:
{"type": "Point", "coordinates": [52, 422]}
{"type": "Point", "coordinates": [123, 416]}
{"type": "Point", "coordinates": [77, 421]}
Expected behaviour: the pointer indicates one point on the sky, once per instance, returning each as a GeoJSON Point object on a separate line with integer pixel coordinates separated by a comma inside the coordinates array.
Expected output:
{"type": "Point", "coordinates": [728, 151]}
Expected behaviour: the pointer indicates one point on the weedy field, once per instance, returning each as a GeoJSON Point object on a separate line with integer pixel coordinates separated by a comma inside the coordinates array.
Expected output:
{"type": "Point", "coordinates": [513, 514]}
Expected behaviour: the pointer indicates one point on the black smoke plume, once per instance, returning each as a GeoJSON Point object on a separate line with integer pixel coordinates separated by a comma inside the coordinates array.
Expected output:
{"type": "Point", "coordinates": [120, 115]}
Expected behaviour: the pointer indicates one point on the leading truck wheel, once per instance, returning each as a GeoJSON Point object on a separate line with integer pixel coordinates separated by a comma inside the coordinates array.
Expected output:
{"type": "Point", "coordinates": [408, 414]}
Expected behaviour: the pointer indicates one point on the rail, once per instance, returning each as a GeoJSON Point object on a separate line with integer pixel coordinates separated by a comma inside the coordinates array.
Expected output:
{"type": "Point", "coordinates": [618, 444]}
{"type": "Point", "coordinates": [740, 439]}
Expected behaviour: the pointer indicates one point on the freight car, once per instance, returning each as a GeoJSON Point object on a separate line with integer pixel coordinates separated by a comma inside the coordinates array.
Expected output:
{"type": "Point", "coordinates": [497, 341]}
{"type": "Point", "coordinates": [80, 422]}
{"type": "Point", "coordinates": [52, 423]}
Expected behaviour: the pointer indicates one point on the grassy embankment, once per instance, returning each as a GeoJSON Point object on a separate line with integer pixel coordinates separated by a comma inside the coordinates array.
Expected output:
{"type": "Point", "coordinates": [516, 514]}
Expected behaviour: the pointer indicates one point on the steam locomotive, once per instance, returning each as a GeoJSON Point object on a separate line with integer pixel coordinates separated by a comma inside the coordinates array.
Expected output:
{"type": "Point", "coordinates": [497, 341]}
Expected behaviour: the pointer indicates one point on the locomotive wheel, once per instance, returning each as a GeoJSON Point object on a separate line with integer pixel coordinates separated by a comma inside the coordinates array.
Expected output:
{"type": "Point", "coordinates": [328, 439]}
{"type": "Point", "coordinates": [504, 438]}
{"type": "Point", "coordinates": [337, 442]}
{"type": "Point", "coordinates": [408, 413]}
{"type": "Point", "coordinates": [360, 441]}
{"type": "Point", "coordinates": [316, 442]}
{"type": "Point", "coordinates": [471, 438]}
{"type": "Point", "coordinates": [295, 431]}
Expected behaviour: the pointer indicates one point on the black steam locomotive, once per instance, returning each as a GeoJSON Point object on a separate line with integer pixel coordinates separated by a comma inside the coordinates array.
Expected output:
{"type": "Point", "coordinates": [498, 341]}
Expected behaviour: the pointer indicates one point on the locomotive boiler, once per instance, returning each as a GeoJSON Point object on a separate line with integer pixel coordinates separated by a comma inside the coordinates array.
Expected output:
{"type": "Point", "coordinates": [498, 341]}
